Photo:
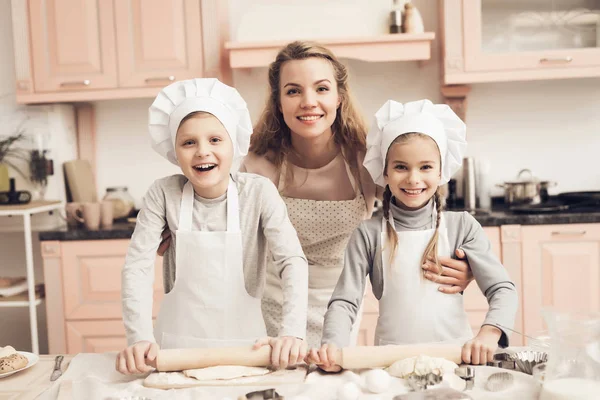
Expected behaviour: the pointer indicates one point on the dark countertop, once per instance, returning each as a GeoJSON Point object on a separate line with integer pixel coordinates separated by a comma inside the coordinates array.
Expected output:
{"type": "Point", "coordinates": [498, 216]}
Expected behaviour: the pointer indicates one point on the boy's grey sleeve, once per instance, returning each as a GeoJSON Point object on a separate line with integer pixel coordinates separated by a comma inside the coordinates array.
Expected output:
{"type": "Point", "coordinates": [491, 277]}
{"type": "Point", "coordinates": [349, 291]}
{"type": "Point", "coordinates": [137, 276]}
{"type": "Point", "coordinates": [289, 260]}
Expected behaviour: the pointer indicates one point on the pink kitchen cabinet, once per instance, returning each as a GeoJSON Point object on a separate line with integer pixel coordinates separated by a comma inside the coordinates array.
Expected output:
{"type": "Point", "coordinates": [158, 41]}
{"type": "Point", "coordinates": [72, 45]}
{"type": "Point", "coordinates": [561, 270]}
{"type": "Point", "coordinates": [87, 50]}
{"type": "Point", "coordinates": [83, 288]}
{"type": "Point", "coordinates": [491, 41]}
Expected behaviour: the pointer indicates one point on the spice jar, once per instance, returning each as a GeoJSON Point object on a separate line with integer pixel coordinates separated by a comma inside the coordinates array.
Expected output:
{"type": "Point", "coordinates": [122, 201]}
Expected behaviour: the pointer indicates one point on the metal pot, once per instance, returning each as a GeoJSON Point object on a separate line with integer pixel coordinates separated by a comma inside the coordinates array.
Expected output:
{"type": "Point", "coordinates": [526, 191]}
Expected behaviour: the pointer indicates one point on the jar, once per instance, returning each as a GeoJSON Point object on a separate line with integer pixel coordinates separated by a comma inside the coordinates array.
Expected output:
{"type": "Point", "coordinates": [123, 202]}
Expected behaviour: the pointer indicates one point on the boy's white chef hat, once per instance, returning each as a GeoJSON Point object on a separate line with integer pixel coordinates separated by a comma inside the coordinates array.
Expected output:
{"type": "Point", "coordinates": [210, 95]}
{"type": "Point", "coordinates": [435, 120]}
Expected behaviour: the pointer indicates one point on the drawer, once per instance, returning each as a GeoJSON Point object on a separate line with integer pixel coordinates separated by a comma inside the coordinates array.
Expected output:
{"type": "Point", "coordinates": [92, 279]}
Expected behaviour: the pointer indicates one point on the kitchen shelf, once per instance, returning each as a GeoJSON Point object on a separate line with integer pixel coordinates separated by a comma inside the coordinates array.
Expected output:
{"type": "Point", "coordinates": [31, 299]}
{"type": "Point", "coordinates": [392, 47]}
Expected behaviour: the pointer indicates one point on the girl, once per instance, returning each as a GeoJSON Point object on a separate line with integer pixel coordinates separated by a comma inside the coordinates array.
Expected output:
{"type": "Point", "coordinates": [310, 141]}
{"type": "Point", "coordinates": [412, 150]}
{"type": "Point", "coordinates": [221, 225]}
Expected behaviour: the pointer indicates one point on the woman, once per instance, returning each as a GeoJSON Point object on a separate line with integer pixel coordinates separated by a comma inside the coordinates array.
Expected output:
{"type": "Point", "coordinates": [310, 141]}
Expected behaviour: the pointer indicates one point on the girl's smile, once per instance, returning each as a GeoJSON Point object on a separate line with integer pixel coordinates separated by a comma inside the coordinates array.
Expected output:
{"type": "Point", "coordinates": [413, 170]}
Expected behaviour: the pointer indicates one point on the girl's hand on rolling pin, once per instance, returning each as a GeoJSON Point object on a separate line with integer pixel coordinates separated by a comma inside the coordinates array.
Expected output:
{"type": "Point", "coordinates": [165, 243]}
{"type": "Point", "coordinates": [456, 274]}
{"type": "Point", "coordinates": [482, 347]}
{"type": "Point", "coordinates": [324, 358]}
{"type": "Point", "coordinates": [138, 358]}
{"type": "Point", "coordinates": [286, 350]}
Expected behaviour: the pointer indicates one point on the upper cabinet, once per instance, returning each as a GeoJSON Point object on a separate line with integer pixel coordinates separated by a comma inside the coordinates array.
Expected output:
{"type": "Point", "coordinates": [85, 50]}
{"type": "Point", "coordinates": [72, 45]}
{"type": "Point", "coordinates": [510, 40]}
{"type": "Point", "coordinates": [159, 41]}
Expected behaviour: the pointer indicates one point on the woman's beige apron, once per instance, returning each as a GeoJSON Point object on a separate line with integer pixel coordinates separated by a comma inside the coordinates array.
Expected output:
{"type": "Point", "coordinates": [324, 228]}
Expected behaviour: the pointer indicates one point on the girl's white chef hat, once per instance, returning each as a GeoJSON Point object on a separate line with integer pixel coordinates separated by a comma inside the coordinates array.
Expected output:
{"type": "Point", "coordinates": [210, 95]}
{"type": "Point", "coordinates": [435, 120]}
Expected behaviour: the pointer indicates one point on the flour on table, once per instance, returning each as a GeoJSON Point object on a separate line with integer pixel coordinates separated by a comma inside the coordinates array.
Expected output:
{"type": "Point", "coordinates": [224, 372]}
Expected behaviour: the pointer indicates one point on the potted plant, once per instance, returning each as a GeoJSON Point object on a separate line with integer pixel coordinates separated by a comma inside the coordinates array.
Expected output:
{"type": "Point", "coordinates": [9, 153]}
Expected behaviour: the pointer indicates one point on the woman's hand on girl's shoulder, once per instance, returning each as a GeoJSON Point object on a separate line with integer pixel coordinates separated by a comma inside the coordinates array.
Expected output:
{"type": "Point", "coordinates": [285, 350]}
{"type": "Point", "coordinates": [324, 358]}
{"type": "Point", "coordinates": [456, 274]}
{"type": "Point", "coordinates": [138, 358]}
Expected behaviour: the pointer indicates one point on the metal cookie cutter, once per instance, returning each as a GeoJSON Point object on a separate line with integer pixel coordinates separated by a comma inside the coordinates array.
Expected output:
{"type": "Point", "coordinates": [268, 394]}
{"type": "Point", "coordinates": [466, 373]}
{"type": "Point", "coordinates": [421, 382]}
{"type": "Point", "coordinates": [502, 360]}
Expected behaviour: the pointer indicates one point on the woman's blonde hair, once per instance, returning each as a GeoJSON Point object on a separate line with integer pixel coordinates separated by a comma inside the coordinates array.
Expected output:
{"type": "Point", "coordinates": [272, 137]}
{"type": "Point", "coordinates": [431, 251]}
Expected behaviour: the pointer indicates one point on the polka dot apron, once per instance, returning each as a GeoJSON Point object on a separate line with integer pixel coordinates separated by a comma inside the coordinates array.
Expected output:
{"type": "Point", "coordinates": [324, 228]}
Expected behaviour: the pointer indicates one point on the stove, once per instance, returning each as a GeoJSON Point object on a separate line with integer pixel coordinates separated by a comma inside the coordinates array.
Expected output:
{"type": "Point", "coordinates": [576, 202]}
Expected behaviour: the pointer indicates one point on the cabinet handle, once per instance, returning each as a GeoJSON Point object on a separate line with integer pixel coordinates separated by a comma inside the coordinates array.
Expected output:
{"type": "Point", "coordinates": [569, 233]}
{"type": "Point", "coordinates": [85, 82]}
{"type": "Point", "coordinates": [556, 60]}
{"type": "Point", "coordinates": [169, 78]}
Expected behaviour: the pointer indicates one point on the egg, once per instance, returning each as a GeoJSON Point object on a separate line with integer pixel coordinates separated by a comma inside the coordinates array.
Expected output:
{"type": "Point", "coordinates": [348, 391]}
{"type": "Point", "coordinates": [377, 381]}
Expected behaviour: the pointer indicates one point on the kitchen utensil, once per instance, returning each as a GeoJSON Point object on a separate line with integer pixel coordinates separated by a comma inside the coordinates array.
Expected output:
{"type": "Point", "coordinates": [502, 360]}
{"type": "Point", "coordinates": [499, 381]}
{"type": "Point", "coordinates": [553, 208]}
{"type": "Point", "coordinates": [466, 373]}
{"type": "Point", "coordinates": [57, 372]}
{"type": "Point", "coordinates": [347, 357]}
{"type": "Point", "coordinates": [469, 192]}
{"type": "Point", "coordinates": [525, 190]}
{"type": "Point", "coordinates": [537, 342]}
{"type": "Point", "coordinates": [526, 360]}
{"type": "Point", "coordinates": [80, 181]}
{"type": "Point", "coordinates": [267, 394]}
{"type": "Point", "coordinates": [421, 382]}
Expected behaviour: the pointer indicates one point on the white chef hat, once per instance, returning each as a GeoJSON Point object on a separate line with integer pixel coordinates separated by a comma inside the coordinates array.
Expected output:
{"type": "Point", "coordinates": [435, 120]}
{"type": "Point", "coordinates": [209, 95]}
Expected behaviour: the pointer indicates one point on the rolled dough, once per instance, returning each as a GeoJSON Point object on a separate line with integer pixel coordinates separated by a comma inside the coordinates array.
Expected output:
{"type": "Point", "coordinates": [224, 372]}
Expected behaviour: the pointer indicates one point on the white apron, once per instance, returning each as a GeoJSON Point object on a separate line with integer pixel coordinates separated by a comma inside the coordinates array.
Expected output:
{"type": "Point", "coordinates": [208, 305]}
{"type": "Point", "coordinates": [323, 228]}
{"type": "Point", "coordinates": [411, 309]}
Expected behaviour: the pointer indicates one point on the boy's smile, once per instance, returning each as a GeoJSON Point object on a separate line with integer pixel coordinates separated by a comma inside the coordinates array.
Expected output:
{"type": "Point", "coordinates": [205, 153]}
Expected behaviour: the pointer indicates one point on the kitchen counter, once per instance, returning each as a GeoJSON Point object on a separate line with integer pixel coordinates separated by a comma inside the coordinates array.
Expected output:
{"type": "Point", "coordinates": [93, 376]}
{"type": "Point", "coordinates": [498, 216]}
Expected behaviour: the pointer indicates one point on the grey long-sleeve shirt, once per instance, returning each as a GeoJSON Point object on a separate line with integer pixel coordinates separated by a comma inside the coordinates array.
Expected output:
{"type": "Point", "coordinates": [363, 257]}
{"type": "Point", "coordinates": [266, 232]}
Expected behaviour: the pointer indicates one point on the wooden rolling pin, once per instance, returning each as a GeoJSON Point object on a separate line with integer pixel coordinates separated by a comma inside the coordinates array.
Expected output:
{"type": "Point", "coordinates": [348, 357]}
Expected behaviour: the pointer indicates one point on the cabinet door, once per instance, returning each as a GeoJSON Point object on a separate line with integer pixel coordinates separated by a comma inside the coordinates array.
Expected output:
{"type": "Point", "coordinates": [92, 279]}
{"type": "Point", "coordinates": [530, 34]}
{"type": "Point", "coordinates": [73, 45]}
{"type": "Point", "coordinates": [95, 336]}
{"type": "Point", "coordinates": [158, 41]}
{"type": "Point", "coordinates": [561, 269]}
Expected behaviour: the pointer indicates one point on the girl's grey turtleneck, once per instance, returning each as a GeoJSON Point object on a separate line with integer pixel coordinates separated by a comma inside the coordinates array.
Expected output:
{"type": "Point", "coordinates": [363, 257]}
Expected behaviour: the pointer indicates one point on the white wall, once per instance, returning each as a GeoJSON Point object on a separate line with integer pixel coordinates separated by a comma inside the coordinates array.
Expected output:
{"type": "Point", "coordinates": [551, 127]}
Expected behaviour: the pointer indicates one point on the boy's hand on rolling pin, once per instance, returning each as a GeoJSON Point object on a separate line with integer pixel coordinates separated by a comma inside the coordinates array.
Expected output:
{"type": "Point", "coordinates": [456, 274]}
{"type": "Point", "coordinates": [482, 347]}
{"type": "Point", "coordinates": [165, 243]}
{"type": "Point", "coordinates": [325, 358]}
{"type": "Point", "coordinates": [138, 358]}
{"type": "Point", "coordinates": [286, 350]}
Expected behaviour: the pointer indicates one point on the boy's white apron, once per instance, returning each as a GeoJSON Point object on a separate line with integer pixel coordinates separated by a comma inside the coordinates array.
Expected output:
{"type": "Point", "coordinates": [324, 228]}
{"type": "Point", "coordinates": [209, 305]}
{"type": "Point", "coordinates": [411, 309]}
